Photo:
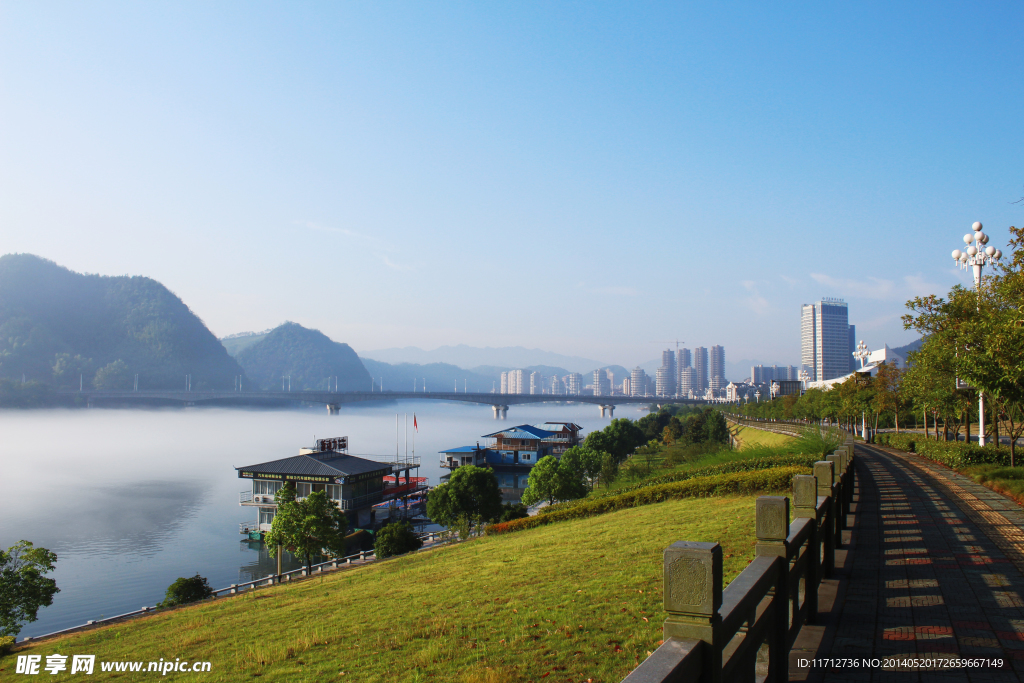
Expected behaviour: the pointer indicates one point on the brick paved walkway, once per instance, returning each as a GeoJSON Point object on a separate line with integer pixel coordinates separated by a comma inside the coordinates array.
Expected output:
{"type": "Point", "coordinates": [936, 569]}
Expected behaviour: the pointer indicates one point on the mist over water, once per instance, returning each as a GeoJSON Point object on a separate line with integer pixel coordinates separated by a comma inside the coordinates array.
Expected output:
{"type": "Point", "coordinates": [132, 499]}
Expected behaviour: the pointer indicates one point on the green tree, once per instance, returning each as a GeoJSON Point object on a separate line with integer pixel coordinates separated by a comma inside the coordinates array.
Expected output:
{"type": "Point", "coordinates": [72, 371]}
{"type": "Point", "coordinates": [113, 376]}
{"type": "Point", "coordinates": [582, 464]}
{"type": "Point", "coordinates": [185, 590]}
{"type": "Point", "coordinates": [981, 334]}
{"type": "Point", "coordinates": [472, 493]}
{"type": "Point", "coordinates": [23, 586]}
{"type": "Point", "coordinates": [396, 538]}
{"type": "Point", "coordinates": [620, 437]}
{"type": "Point", "coordinates": [609, 469]}
{"type": "Point", "coordinates": [308, 527]}
{"type": "Point", "coordinates": [553, 480]}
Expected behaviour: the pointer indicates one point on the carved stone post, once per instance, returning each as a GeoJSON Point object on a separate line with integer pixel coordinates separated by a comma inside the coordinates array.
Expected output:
{"type": "Point", "coordinates": [693, 596]}
{"type": "Point", "coordinates": [772, 521]}
{"type": "Point", "coordinates": [824, 474]}
{"type": "Point", "coordinates": [805, 505]}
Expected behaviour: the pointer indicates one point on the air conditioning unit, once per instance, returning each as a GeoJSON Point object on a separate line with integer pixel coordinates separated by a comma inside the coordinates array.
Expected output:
{"type": "Point", "coordinates": [258, 499]}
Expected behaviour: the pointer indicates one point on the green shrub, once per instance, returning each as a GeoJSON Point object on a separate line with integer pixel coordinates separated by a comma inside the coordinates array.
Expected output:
{"type": "Point", "coordinates": [6, 643]}
{"type": "Point", "coordinates": [187, 590]}
{"type": "Point", "coordinates": [510, 511]}
{"type": "Point", "coordinates": [396, 538]}
{"type": "Point", "coordinates": [743, 465]}
{"type": "Point", "coordinates": [954, 454]}
{"type": "Point", "coordinates": [774, 479]}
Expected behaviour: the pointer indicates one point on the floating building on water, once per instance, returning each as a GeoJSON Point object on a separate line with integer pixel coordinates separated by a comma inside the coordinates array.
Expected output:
{"type": "Point", "coordinates": [357, 485]}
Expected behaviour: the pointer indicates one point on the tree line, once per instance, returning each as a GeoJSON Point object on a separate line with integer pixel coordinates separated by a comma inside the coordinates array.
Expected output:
{"type": "Point", "coordinates": [973, 341]}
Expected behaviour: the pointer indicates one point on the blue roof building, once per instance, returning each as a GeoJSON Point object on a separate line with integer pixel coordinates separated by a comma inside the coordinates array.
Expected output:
{"type": "Point", "coordinates": [512, 452]}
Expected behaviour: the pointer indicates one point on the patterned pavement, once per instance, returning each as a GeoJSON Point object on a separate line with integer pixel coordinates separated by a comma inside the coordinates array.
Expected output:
{"type": "Point", "coordinates": [936, 571]}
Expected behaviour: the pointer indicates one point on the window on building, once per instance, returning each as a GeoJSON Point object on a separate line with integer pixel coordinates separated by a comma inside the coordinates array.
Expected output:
{"type": "Point", "coordinates": [334, 491]}
{"type": "Point", "coordinates": [266, 515]}
{"type": "Point", "coordinates": [264, 487]}
{"type": "Point", "coordinates": [525, 456]}
{"type": "Point", "coordinates": [524, 481]}
{"type": "Point", "coordinates": [302, 489]}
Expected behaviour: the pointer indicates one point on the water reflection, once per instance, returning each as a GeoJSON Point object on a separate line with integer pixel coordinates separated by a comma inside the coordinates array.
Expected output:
{"type": "Point", "coordinates": [261, 564]}
{"type": "Point", "coordinates": [126, 519]}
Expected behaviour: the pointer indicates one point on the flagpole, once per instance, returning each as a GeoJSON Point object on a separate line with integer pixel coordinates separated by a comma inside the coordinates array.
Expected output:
{"type": "Point", "coordinates": [414, 436]}
{"type": "Point", "coordinates": [407, 436]}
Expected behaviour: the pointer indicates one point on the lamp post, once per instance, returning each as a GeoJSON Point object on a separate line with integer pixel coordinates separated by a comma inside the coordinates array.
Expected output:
{"type": "Point", "coordinates": [862, 353]}
{"type": "Point", "coordinates": [975, 257]}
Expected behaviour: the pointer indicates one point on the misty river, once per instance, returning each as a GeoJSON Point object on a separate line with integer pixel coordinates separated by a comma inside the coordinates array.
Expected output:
{"type": "Point", "coordinates": [131, 499]}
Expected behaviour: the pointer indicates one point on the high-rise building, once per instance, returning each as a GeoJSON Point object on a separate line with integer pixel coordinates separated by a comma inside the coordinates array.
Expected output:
{"type": "Point", "coordinates": [536, 383]}
{"type": "Point", "coordinates": [602, 384]}
{"type": "Point", "coordinates": [625, 387]}
{"type": "Point", "coordinates": [557, 386]}
{"type": "Point", "coordinates": [700, 366]}
{"type": "Point", "coordinates": [763, 374]}
{"type": "Point", "coordinates": [637, 382]}
{"type": "Point", "coordinates": [573, 383]}
{"type": "Point", "coordinates": [853, 347]}
{"type": "Point", "coordinates": [504, 382]}
{"type": "Point", "coordinates": [825, 335]}
{"type": "Point", "coordinates": [665, 382]}
{"type": "Point", "coordinates": [716, 376]}
{"type": "Point", "coordinates": [687, 380]}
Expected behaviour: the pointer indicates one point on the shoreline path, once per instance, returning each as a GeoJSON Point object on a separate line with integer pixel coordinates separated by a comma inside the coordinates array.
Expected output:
{"type": "Point", "coordinates": [935, 570]}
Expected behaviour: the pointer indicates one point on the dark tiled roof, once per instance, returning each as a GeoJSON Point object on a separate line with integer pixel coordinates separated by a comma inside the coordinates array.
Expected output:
{"type": "Point", "coordinates": [342, 465]}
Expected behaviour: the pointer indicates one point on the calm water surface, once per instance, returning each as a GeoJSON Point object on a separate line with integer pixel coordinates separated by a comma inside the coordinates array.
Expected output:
{"type": "Point", "coordinates": [132, 499]}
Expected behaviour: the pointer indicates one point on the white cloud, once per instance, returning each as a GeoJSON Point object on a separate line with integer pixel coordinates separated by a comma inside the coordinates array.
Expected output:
{"type": "Point", "coordinates": [918, 286]}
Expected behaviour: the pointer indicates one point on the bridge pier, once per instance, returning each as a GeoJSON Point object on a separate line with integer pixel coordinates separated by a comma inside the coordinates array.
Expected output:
{"type": "Point", "coordinates": [500, 412]}
{"type": "Point", "coordinates": [607, 411]}
{"type": "Point", "coordinates": [332, 408]}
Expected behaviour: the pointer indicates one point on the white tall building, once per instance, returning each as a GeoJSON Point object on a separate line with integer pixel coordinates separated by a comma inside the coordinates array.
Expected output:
{"type": "Point", "coordinates": [663, 384]}
{"type": "Point", "coordinates": [602, 383]}
{"type": "Point", "coordinates": [637, 382]}
{"type": "Point", "coordinates": [716, 375]}
{"type": "Point", "coordinates": [573, 384]}
{"type": "Point", "coordinates": [536, 383]}
{"type": "Point", "coordinates": [825, 346]}
{"type": "Point", "coordinates": [700, 366]}
{"type": "Point", "coordinates": [504, 382]}
{"type": "Point", "coordinates": [682, 361]}
{"type": "Point", "coordinates": [687, 382]}
{"type": "Point", "coordinates": [625, 387]}
{"type": "Point", "coordinates": [557, 386]}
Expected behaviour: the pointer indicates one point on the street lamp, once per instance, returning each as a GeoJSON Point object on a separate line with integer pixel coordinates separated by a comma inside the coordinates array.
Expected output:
{"type": "Point", "coordinates": [862, 353]}
{"type": "Point", "coordinates": [975, 257]}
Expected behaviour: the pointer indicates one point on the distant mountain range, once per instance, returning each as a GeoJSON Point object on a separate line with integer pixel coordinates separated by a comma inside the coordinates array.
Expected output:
{"type": "Point", "coordinates": [464, 356]}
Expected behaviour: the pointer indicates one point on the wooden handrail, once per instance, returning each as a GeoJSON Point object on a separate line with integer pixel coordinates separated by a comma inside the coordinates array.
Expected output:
{"type": "Point", "coordinates": [715, 634]}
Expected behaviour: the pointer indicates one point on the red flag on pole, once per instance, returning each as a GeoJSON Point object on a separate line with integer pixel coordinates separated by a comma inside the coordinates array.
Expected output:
{"type": "Point", "coordinates": [414, 425]}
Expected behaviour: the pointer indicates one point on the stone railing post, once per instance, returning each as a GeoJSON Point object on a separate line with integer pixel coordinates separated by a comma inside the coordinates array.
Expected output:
{"type": "Point", "coordinates": [805, 505]}
{"type": "Point", "coordinates": [772, 525]}
{"type": "Point", "coordinates": [837, 507]}
{"type": "Point", "coordinates": [825, 476]}
{"type": "Point", "coordinates": [693, 596]}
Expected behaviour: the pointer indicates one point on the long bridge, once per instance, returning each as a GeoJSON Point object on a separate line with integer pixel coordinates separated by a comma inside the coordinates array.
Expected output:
{"type": "Point", "coordinates": [334, 399]}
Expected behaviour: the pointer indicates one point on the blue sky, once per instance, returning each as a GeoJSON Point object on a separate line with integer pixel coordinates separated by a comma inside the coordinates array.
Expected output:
{"type": "Point", "coordinates": [585, 178]}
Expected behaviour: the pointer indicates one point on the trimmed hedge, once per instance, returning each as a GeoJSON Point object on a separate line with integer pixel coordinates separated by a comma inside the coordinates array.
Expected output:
{"type": "Point", "coordinates": [774, 479]}
{"type": "Point", "coordinates": [954, 454]}
{"type": "Point", "coordinates": [748, 465]}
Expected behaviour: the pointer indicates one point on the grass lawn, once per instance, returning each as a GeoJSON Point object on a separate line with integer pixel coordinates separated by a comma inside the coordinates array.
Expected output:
{"type": "Point", "coordinates": [571, 601]}
{"type": "Point", "coordinates": [748, 436]}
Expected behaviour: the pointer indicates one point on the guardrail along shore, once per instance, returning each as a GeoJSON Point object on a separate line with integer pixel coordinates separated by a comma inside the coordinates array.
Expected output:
{"type": "Point", "coordinates": [745, 631]}
{"type": "Point", "coordinates": [430, 540]}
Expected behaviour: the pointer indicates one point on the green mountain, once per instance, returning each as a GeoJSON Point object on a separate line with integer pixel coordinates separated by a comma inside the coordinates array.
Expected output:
{"type": "Point", "coordinates": [59, 327]}
{"type": "Point", "coordinates": [309, 357]}
{"type": "Point", "coordinates": [236, 342]}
